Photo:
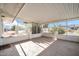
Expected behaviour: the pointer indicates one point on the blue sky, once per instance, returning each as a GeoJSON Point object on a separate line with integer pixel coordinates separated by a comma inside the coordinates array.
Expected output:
{"type": "Point", "coordinates": [17, 21]}
{"type": "Point", "coordinates": [71, 22]}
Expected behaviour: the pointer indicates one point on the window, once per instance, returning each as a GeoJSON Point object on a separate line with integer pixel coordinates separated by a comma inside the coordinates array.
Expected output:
{"type": "Point", "coordinates": [45, 28]}
{"type": "Point", "coordinates": [57, 27]}
{"type": "Point", "coordinates": [16, 28]}
{"type": "Point", "coordinates": [73, 27]}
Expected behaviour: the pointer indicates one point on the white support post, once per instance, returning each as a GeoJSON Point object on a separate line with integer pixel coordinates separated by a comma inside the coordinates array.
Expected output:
{"type": "Point", "coordinates": [1, 26]}
{"type": "Point", "coordinates": [1, 30]}
{"type": "Point", "coordinates": [16, 29]}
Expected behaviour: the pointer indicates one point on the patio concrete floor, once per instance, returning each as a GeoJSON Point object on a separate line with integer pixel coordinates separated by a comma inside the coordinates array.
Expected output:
{"type": "Point", "coordinates": [42, 46]}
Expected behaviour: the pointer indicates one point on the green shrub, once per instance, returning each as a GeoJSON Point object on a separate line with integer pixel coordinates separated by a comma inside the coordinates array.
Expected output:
{"type": "Point", "coordinates": [61, 31]}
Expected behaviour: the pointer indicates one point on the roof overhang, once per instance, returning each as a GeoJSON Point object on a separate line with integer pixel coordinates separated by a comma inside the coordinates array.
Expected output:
{"type": "Point", "coordinates": [41, 12]}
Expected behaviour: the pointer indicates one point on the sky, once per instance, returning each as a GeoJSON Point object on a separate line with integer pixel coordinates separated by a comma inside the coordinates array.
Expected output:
{"type": "Point", "coordinates": [71, 22]}
{"type": "Point", "coordinates": [17, 21]}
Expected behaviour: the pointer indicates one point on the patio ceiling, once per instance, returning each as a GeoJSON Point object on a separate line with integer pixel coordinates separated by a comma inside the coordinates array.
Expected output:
{"type": "Point", "coordinates": [9, 10]}
{"type": "Point", "coordinates": [42, 12]}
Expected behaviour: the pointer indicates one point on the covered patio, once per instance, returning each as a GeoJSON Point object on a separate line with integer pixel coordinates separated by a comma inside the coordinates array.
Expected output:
{"type": "Point", "coordinates": [37, 29]}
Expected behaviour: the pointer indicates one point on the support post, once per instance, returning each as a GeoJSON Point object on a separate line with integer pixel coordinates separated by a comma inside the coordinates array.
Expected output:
{"type": "Point", "coordinates": [1, 26]}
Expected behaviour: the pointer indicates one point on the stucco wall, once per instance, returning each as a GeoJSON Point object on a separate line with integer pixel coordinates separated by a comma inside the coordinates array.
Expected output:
{"type": "Point", "coordinates": [8, 40]}
{"type": "Point", "coordinates": [69, 37]}
{"type": "Point", "coordinates": [63, 37]}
